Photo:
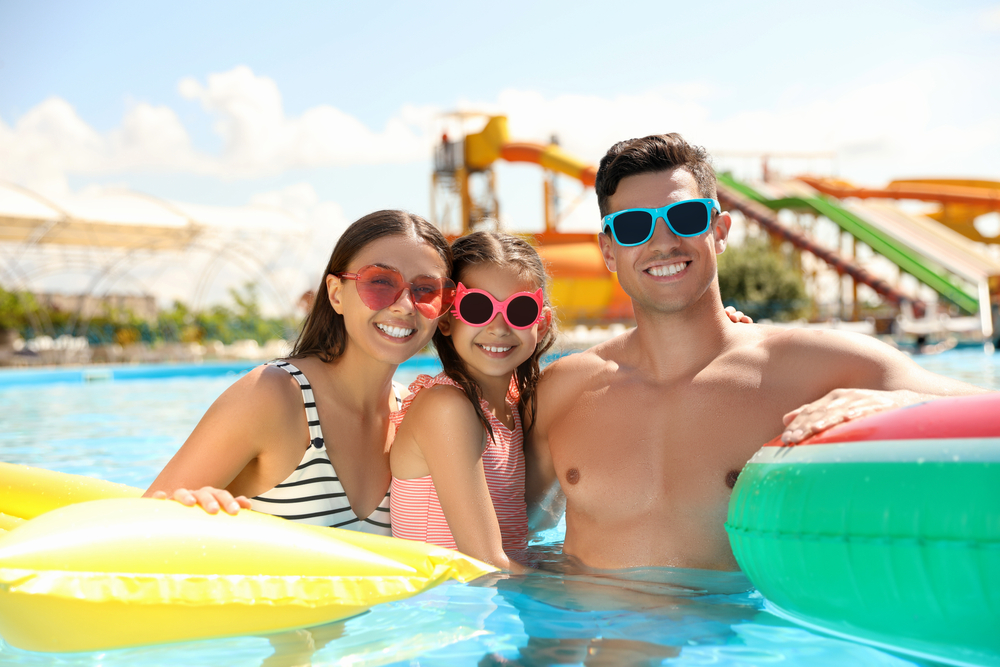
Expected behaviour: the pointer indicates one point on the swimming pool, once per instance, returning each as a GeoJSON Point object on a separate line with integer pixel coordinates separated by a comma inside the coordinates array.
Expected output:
{"type": "Point", "coordinates": [123, 424]}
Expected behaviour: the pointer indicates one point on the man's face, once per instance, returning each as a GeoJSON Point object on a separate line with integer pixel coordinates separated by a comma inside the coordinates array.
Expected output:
{"type": "Point", "coordinates": [668, 273]}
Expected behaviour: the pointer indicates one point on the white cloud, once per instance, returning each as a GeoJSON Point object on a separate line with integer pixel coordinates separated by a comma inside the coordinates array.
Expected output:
{"type": "Point", "coordinates": [260, 138]}
{"type": "Point", "coordinates": [881, 127]}
{"type": "Point", "coordinates": [51, 141]}
{"type": "Point", "coordinates": [878, 129]}
{"type": "Point", "coordinates": [991, 19]}
{"type": "Point", "coordinates": [325, 221]}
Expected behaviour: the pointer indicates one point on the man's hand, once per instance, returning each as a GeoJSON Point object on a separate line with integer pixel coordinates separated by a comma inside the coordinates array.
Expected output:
{"type": "Point", "coordinates": [842, 405]}
{"type": "Point", "coordinates": [210, 498]}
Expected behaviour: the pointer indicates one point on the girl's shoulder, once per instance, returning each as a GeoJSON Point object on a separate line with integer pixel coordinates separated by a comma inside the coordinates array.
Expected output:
{"type": "Point", "coordinates": [426, 382]}
{"type": "Point", "coordinates": [437, 407]}
{"type": "Point", "coordinates": [428, 392]}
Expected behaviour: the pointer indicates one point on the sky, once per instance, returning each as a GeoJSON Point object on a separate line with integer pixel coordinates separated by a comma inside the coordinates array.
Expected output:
{"type": "Point", "coordinates": [331, 109]}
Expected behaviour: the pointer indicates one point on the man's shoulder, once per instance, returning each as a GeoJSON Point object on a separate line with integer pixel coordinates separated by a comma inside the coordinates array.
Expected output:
{"type": "Point", "coordinates": [597, 359]}
{"type": "Point", "coordinates": [818, 341]}
{"type": "Point", "coordinates": [574, 366]}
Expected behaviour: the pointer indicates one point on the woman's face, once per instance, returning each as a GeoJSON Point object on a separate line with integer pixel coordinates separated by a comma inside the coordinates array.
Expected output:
{"type": "Point", "coordinates": [398, 331]}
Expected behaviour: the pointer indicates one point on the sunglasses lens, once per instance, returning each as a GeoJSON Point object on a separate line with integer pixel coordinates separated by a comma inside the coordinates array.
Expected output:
{"type": "Point", "coordinates": [689, 218]}
{"type": "Point", "coordinates": [633, 227]}
{"type": "Point", "coordinates": [522, 311]}
{"type": "Point", "coordinates": [379, 288]}
{"type": "Point", "coordinates": [475, 308]}
{"type": "Point", "coordinates": [432, 296]}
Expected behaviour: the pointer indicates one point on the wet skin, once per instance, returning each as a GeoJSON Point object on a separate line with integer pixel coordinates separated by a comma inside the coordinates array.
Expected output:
{"type": "Point", "coordinates": [645, 433]}
{"type": "Point", "coordinates": [255, 434]}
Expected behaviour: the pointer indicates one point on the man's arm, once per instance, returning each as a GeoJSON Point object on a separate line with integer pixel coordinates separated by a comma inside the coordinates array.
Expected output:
{"type": "Point", "coordinates": [542, 493]}
{"type": "Point", "coordinates": [870, 376]}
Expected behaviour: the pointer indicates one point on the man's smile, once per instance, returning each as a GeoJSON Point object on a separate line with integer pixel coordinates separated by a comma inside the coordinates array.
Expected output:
{"type": "Point", "coordinates": [664, 270]}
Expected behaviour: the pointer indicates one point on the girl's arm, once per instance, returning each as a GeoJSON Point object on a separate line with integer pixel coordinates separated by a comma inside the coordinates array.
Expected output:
{"type": "Point", "coordinates": [445, 430]}
{"type": "Point", "coordinates": [229, 450]}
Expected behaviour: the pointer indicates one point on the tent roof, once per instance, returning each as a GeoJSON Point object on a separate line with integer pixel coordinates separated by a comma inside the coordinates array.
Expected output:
{"type": "Point", "coordinates": [125, 220]}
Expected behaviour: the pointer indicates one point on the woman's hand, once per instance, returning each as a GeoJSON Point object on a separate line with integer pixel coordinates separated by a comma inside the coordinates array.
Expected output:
{"type": "Point", "coordinates": [210, 498]}
{"type": "Point", "coordinates": [737, 316]}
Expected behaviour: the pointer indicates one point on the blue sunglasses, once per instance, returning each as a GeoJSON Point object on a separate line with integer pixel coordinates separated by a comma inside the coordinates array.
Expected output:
{"type": "Point", "coordinates": [634, 226]}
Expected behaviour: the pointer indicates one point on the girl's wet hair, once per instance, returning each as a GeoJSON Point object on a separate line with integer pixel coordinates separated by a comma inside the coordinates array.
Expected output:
{"type": "Point", "coordinates": [323, 333]}
{"type": "Point", "coordinates": [505, 252]}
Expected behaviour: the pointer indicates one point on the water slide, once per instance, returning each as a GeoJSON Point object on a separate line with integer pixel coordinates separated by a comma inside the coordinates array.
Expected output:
{"type": "Point", "coordinates": [493, 143]}
{"type": "Point", "coordinates": [733, 196]}
{"type": "Point", "coordinates": [582, 288]}
{"type": "Point", "coordinates": [939, 257]}
{"type": "Point", "coordinates": [961, 200]}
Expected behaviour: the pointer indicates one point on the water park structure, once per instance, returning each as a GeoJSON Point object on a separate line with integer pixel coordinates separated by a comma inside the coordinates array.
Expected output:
{"type": "Point", "coordinates": [942, 250]}
{"type": "Point", "coordinates": [107, 245]}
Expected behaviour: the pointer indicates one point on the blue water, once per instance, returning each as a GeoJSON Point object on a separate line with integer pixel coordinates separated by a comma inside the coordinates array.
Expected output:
{"type": "Point", "coordinates": [124, 424]}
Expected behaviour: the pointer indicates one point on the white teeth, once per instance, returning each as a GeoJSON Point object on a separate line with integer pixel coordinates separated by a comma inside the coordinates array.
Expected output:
{"type": "Point", "coordinates": [495, 350]}
{"type": "Point", "coordinates": [395, 332]}
{"type": "Point", "coordinates": [669, 270]}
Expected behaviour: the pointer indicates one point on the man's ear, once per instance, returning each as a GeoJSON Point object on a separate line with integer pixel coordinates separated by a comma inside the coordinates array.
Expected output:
{"type": "Point", "coordinates": [607, 251]}
{"type": "Point", "coordinates": [444, 324]}
{"type": "Point", "coordinates": [723, 222]}
{"type": "Point", "coordinates": [334, 289]}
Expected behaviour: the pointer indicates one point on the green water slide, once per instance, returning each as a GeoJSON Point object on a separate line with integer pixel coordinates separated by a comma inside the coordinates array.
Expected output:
{"type": "Point", "coordinates": [905, 258]}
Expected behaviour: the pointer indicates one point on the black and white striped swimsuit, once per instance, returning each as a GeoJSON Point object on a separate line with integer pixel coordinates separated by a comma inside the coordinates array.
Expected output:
{"type": "Point", "coordinates": [312, 493]}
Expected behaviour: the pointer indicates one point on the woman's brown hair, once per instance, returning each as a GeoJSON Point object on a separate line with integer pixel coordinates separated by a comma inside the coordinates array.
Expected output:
{"type": "Point", "coordinates": [323, 333]}
{"type": "Point", "coordinates": [503, 251]}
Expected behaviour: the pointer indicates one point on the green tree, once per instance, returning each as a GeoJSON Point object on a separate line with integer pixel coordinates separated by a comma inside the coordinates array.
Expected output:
{"type": "Point", "coordinates": [16, 310]}
{"type": "Point", "coordinates": [762, 282]}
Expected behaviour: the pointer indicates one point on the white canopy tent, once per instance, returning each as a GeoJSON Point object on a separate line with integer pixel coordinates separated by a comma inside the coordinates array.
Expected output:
{"type": "Point", "coordinates": [115, 241]}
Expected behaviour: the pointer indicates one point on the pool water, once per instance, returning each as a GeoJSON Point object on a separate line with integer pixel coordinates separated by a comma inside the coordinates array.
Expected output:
{"type": "Point", "coordinates": [123, 426]}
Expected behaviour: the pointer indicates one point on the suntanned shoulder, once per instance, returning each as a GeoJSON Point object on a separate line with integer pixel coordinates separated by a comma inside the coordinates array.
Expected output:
{"type": "Point", "coordinates": [565, 376]}
{"type": "Point", "coordinates": [269, 389]}
{"type": "Point", "coordinates": [437, 410]}
{"type": "Point", "coordinates": [846, 359]}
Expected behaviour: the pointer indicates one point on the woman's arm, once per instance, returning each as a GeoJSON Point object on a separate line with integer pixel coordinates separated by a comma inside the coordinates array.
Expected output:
{"type": "Point", "coordinates": [230, 450]}
{"type": "Point", "coordinates": [451, 439]}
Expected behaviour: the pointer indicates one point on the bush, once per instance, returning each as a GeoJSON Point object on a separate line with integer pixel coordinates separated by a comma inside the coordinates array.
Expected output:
{"type": "Point", "coordinates": [762, 282]}
{"type": "Point", "coordinates": [22, 313]}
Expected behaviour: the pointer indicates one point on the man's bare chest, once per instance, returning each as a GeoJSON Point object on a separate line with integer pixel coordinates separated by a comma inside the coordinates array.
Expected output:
{"type": "Point", "coordinates": [637, 443]}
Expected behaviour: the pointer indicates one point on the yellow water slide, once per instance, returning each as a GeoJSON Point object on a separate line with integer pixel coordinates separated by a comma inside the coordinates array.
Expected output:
{"type": "Point", "coordinates": [582, 289]}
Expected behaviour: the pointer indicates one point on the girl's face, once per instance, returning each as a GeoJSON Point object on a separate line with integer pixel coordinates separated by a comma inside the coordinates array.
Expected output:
{"type": "Point", "coordinates": [398, 331]}
{"type": "Point", "coordinates": [496, 349]}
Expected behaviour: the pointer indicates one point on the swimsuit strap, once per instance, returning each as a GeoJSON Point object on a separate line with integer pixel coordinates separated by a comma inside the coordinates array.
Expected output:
{"type": "Point", "coordinates": [312, 416]}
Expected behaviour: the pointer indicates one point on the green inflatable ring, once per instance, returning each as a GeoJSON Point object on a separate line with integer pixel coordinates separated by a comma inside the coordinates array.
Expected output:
{"type": "Point", "coordinates": [885, 530]}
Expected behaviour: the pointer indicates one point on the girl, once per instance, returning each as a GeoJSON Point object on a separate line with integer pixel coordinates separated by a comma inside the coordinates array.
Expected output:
{"type": "Point", "coordinates": [316, 450]}
{"type": "Point", "coordinates": [458, 461]}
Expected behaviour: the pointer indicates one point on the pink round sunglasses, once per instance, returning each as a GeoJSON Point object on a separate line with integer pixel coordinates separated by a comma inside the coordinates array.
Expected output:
{"type": "Point", "coordinates": [478, 307]}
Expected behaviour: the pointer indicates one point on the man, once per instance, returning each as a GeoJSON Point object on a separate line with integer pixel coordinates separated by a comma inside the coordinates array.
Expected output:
{"type": "Point", "coordinates": [647, 432]}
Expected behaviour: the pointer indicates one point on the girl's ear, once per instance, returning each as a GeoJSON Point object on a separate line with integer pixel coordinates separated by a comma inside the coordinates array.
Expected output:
{"type": "Point", "coordinates": [334, 285]}
{"type": "Point", "coordinates": [545, 322]}
{"type": "Point", "coordinates": [444, 325]}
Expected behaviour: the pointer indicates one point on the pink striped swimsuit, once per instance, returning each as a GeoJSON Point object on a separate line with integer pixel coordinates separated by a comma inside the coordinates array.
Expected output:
{"type": "Point", "coordinates": [414, 507]}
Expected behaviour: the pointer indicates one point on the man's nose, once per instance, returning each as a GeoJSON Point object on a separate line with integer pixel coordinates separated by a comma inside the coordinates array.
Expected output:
{"type": "Point", "coordinates": [663, 236]}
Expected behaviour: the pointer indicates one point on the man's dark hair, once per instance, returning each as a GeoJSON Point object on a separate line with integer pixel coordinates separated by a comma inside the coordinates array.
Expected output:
{"type": "Point", "coordinates": [659, 152]}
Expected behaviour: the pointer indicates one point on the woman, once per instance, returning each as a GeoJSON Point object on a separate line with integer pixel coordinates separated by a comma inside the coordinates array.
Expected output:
{"type": "Point", "coordinates": [316, 450]}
